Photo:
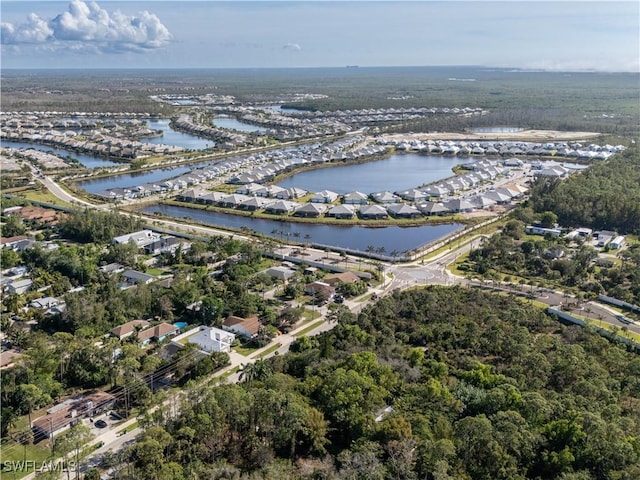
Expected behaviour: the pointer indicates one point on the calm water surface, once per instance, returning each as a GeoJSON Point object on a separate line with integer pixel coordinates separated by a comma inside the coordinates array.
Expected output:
{"type": "Point", "coordinates": [354, 237]}
{"type": "Point", "coordinates": [89, 161]}
{"type": "Point", "coordinates": [132, 179]}
{"type": "Point", "coordinates": [233, 124]}
{"type": "Point", "coordinates": [398, 172]}
{"type": "Point", "coordinates": [173, 137]}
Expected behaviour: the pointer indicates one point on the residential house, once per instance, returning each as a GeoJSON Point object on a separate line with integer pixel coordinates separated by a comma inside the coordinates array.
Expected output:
{"type": "Point", "coordinates": [385, 197]}
{"type": "Point", "coordinates": [19, 286]}
{"type": "Point", "coordinates": [355, 198]}
{"type": "Point", "coordinates": [372, 212]}
{"type": "Point", "coordinates": [281, 273]}
{"type": "Point", "coordinates": [281, 207]}
{"type": "Point", "coordinates": [156, 333]}
{"type": "Point", "coordinates": [111, 268]}
{"type": "Point", "coordinates": [617, 243]}
{"type": "Point", "coordinates": [319, 290]}
{"type": "Point", "coordinates": [433, 208]}
{"type": "Point", "coordinates": [344, 277]}
{"type": "Point", "coordinates": [140, 239]}
{"type": "Point", "coordinates": [134, 277]}
{"type": "Point", "coordinates": [459, 205]}
{"type": "Point", "coordinates": [127, 329]}
{"type": "Point", "coordinates": [403, 210]}
{"type": "Point", "coordinates": [341, 211]}
{"type": "Point", "coordinates": [211, 339]}
{"type": "Point", "coordinates": [325, 196]}
{"type": "Point", "coordinates": [310, 210]}
{"type": "Point", "coordinates": [68, 413]}
{"type": "Point", "coordinates": [538, 230]}
{"type": "Point", "coordinates": [246, 327]}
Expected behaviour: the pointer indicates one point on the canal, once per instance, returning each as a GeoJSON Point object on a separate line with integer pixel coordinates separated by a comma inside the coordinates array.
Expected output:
{"type": "Point", "coordinates": [353, 237]}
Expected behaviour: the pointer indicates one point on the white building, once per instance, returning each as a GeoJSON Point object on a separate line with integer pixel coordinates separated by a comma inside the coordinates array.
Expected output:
{"type": "Point", "coordinates": [211, 339]}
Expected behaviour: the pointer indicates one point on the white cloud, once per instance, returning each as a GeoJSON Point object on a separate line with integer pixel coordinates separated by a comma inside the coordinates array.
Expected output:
{"type": "Point", "coordinates": [87, 26]}
{"type": "Point", "coordinates": [292, 46]}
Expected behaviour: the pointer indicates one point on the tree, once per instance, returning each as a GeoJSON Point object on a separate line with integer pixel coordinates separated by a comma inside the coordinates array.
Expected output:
{"type": "Point", "coordinates": [72, 441]}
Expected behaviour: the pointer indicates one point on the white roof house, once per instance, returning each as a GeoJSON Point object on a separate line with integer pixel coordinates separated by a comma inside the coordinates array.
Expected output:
{"type": "Point", "coordinates": [211, 339]}
{"type": "Point", "coordinates": [141, 238]}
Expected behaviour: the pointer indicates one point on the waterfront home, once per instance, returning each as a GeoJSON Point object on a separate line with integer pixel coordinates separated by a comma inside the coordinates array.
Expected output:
{"type": "Point", "coordinates": [312, 210]}
{"type": "Point", "coordinates": [498, 197]}
{"type": "Point", "coordinates": [211, 339]}
{"type": "Point", "coordinates": [281, 207]}
{"type": "Point", "coordinates": [341, 211]}
{"type": "Point", "coordinates": [372, 212]}
{"type": "Point", "coordinates": [245, 327]}
{"type": "Point", "coordinates": [249, 189]}
{"type": "Point", "coordinates": [433, 208]}
{"type": "Point", "coordinates": [403, 210]}
{"type": "Point", "coordinates": [211, 198]}
{"type": "Point", "coordinates": [254, 203]}
{"type": "Point", "coordinates": [355, 198]}
{"type": "Point", "coordinates": [233, 200]}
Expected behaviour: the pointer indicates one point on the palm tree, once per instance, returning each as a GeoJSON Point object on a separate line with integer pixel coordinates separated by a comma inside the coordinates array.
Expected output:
{"type": "Point", "coordinates": [259, 370]}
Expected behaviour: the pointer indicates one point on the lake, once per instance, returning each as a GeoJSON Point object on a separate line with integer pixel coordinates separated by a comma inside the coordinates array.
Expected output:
{"type": "Point", "coordinates": [132, 179]}
{"type": "Point", "coordinates": [233, 124]}
{"type": "Point", "coordinates": [89, 161]}
{"type": "Point", "coordinates": [173, 137]}
{"type": "Point", "coordinates": [395, 173]}
{"type": "Point", "coordinates": [353, 237]}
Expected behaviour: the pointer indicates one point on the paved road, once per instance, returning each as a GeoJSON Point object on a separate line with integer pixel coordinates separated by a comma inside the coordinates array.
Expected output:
{"type": "Point", "coordinates": [404, 276]}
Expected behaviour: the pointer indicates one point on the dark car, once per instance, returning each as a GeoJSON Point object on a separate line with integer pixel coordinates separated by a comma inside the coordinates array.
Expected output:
{"type": "Point", "coordinates": [100, 424]}
{"type": "Point", "coordinates": [338, 299]}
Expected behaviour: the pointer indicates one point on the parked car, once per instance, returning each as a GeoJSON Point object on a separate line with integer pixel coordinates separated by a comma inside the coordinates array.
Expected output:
{"type": "Point", "coordinates": [100, 424]}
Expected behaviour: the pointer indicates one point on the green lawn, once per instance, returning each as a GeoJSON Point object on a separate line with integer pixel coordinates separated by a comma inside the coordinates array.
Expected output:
{"type": "Point", "coordinates": [269, 350]}
{"type": "Point", "coordinates": [306, 330]}
{"type": "Point", "coordinates": [14, 452]}
{"type": "Point", "coordinates": [245, 351]}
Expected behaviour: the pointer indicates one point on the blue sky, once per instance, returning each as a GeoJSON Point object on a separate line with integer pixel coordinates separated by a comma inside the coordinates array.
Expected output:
{"type": "Point", "coordinates": [560, 35]}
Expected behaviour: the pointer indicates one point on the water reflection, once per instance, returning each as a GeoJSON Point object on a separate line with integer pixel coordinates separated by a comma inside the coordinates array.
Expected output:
{"type": "Point", "coordinates": [354, 237]}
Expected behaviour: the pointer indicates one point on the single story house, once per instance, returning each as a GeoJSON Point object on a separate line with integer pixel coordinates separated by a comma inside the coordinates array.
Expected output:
{"type": "Point", "coordinates": [341, 211]}
{"type": "Point", "coordinates": [126, 329]}
{"type": "Point", "coordinates": [385, 197]}
{"type": "Point", "coordinates": [538, 230]}
{"type": "Point", "coordinates": [281, 207]}
{"type": "Point", "coordinates": [344, 277]}
{"type": "Point", "coordinates": [319, 290]}
{"type": "Point", "coordinates": [372, 212]}
{"type": "Point", "coordinates": [403, 210]}
{"type": "Point", "coordinates": [68, 413]}
{"type": "Point", "coordinates": [19, 286]}
{"type": "Point", "coordinates": [281, 273]}
{"type": "Point", "coordinates": [310, 210]}
{"type": "Point", "coordinates": [157, 333]}
{"type": "Point", "coordinates": [325, 196]}
{"type": "Point", "coordinates": [355, 198]}
{"type": "Point", "coordinates": [134, 277]}
{"type": "Point", "coordinates": [246, 327]}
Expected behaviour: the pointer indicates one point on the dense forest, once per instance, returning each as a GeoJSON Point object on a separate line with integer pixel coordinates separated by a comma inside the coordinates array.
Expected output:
{"type": "Point", "coordinates": [605, 196]}
{"type": "Point", "coordinates": [437, 383]}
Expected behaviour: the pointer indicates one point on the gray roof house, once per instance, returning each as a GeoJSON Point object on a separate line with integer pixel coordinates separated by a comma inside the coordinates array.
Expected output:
{"type": "Point", "coordinates": [385, 197]}
{"type": "Point", "coordinates": [403, 210]}
{"type": "Point", "coordinates": [433, 208]}
{"type": "Point", "coordinates": [355, 198]}
{"type": "Point", "coordinates": [310, 210]}
{"type": "Point", "coordinates": [341, 211]}
{"type": "Point", "coordinates": [412, 195]}
{"type": "Point", "coordinates": [134, 277]}
{"type": "Point", "coordinates": [325, 196]}
{"type": "Point", "coordinates": [281, 273]}
{"type": "Point", "coordinates": [459, 205]}
{"type": "Point", "coordinates": [281, 207]}
{"type": "Point", "coordinates": [372, 212]}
